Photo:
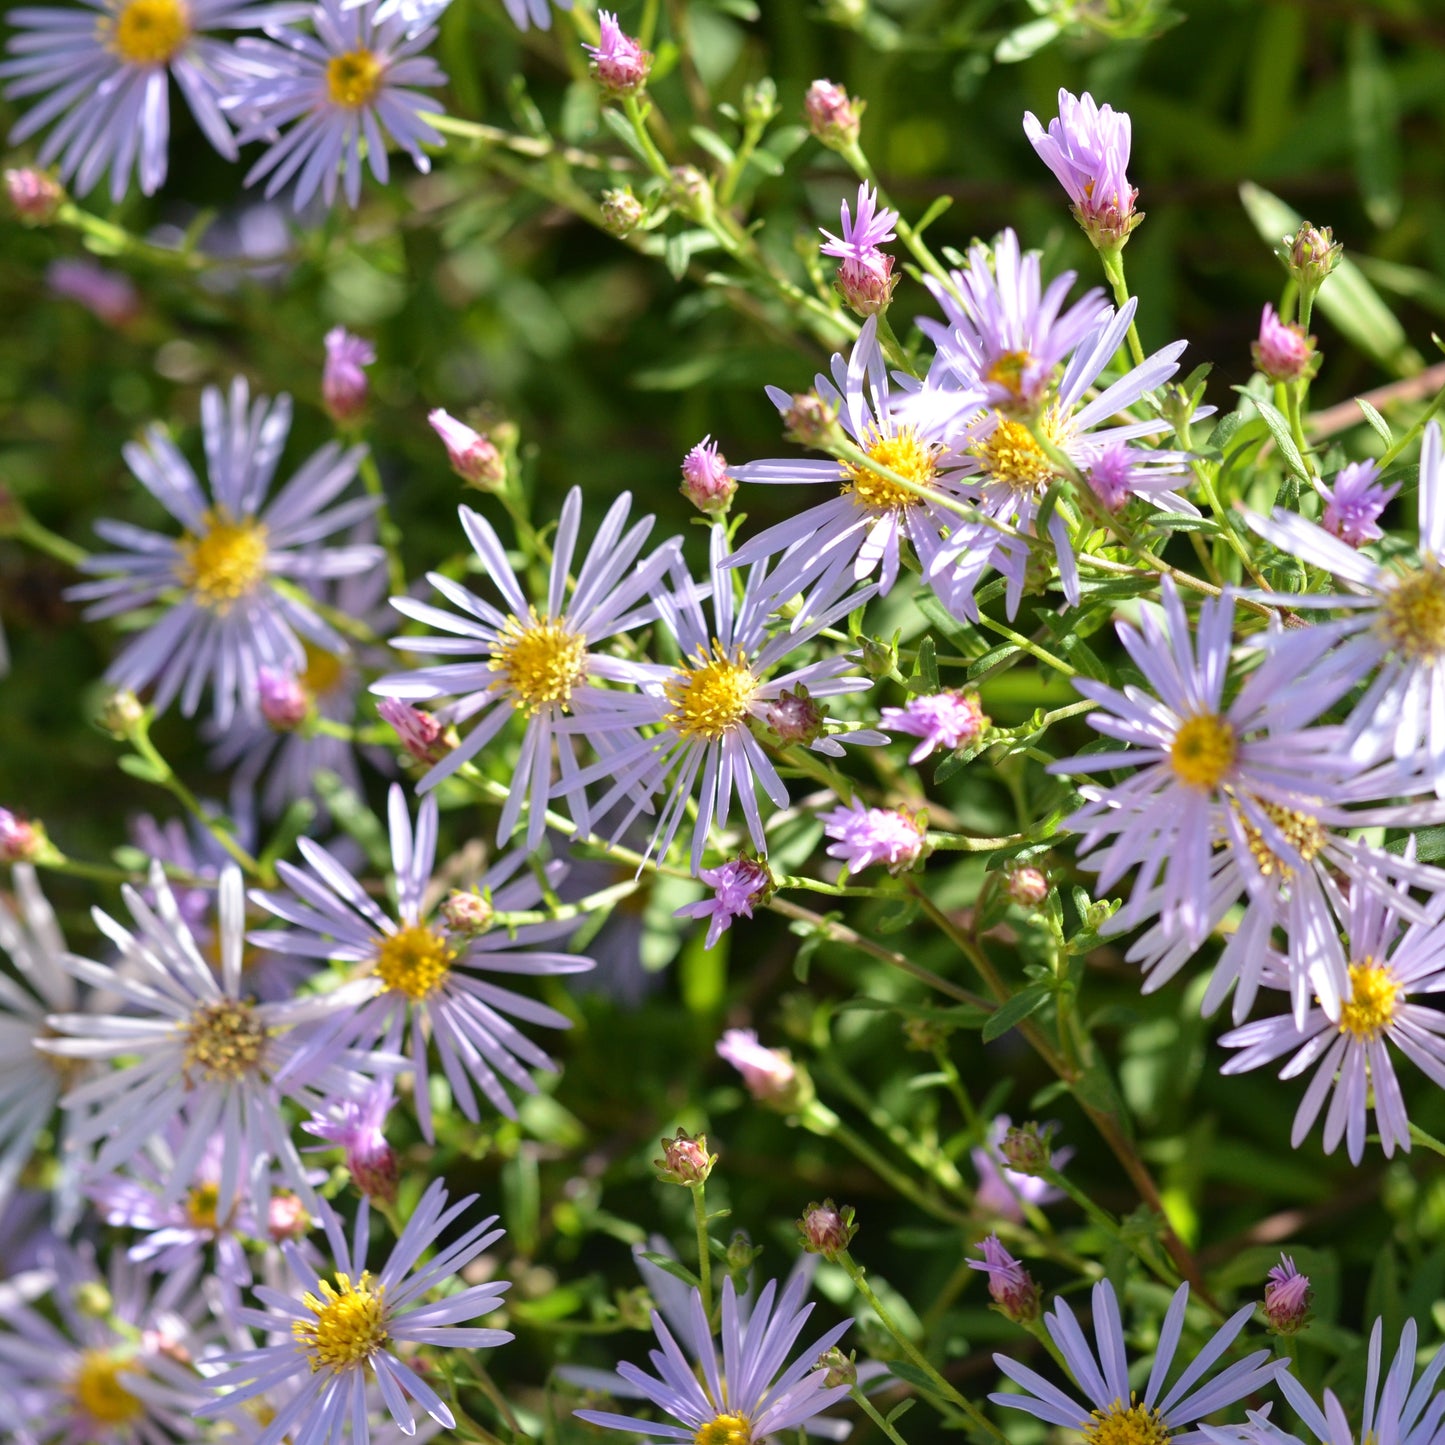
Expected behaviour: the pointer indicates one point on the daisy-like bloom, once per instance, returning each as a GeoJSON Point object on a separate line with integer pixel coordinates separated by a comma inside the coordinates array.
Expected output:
{"type": "Point", "coordinates": [231, 619]}
{"type": "Point", "coordinates": [864, 836]}
{"type": "Point", "coordinates": [105, 72]}
{"type": "Point", "coordinates": [539, 664]}
{"type": "Point", "coordinates": [1393, 633]}
{"type": "Point", "coordinates": [121, 1377]}
{"type": "Point", "coordinates": [939, 720]}
{"type": "Point", "coordinates": [1114, 1413]}
{"type": "Point", "coordinates": [865, 273]}
{"type": "Point", "coordinates": [1394, 1409]}
{"type": "Point", "coordinates": [355, 1126]}
{"type": "Point", "coordinates": [1351, 1054]}
{"type": "Point", "coordinates": [418, 979]}
{"type": "Point", "coordinates": [1353, 505]}
{"type": "Point", "coordinates": [344, 1332]}
{"type": "Point", "coordinates": [1283, 352]}
{"type": "Point", "coordinates": [343, 379]}
{"type": "Point", "coordinates": [1286, 1297]}
{"type": "Point", "coordinates": [1087, 148]}
{"type": "Point", "coordinates": [1003, 1191]}
{"type": "Point", "coordinates": [1010, 1285]}
{"type": "Point", "coordinates": [861, 530]}
{"type": "Point", "coordinates": [748, 1391]}
{"type": "Point", "coordinates": [738, 887]}
{"type": "Point", "coordinates": [197, 1051]}
{"type": "Point", "coordinates": [351, 86]}
{"type": "Point", "coordinates": [704, 707]}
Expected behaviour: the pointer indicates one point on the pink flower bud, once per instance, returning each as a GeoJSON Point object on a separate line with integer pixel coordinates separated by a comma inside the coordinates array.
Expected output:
{"type": "Point", "coordinates": [770, 1075]}
{"type": "Point", "coordinates": [1287, 1298]}
{"type": "Point", "coordinates": [468, 913]}
{"type": "Point", "coordinates": [705, 480]}
{"type": "Point", "coordinates": [833, 116]}
{"type": "Point", "coordinates": [34, 195]}
{"type": "Point", "coordinates": [419, 732]}
{"type": "Point", "coordinates": [1026, 885]}
{"type": "Point", "coordinates": [685, 1159]}
{"type": "Point", "coordinates": [826, 1229]}
{"type": "Point", "coordinates": [622, 212]}
{"type": "Point", "coordinates": [1311, 254]}
{"type": "Point", "coordinates": [1010, 1285]}
{"type": "Point", "coordinates": [1025, 1148]}
{"type": "Point", "coordinates": [286, 1217]}
{"type": "Point", "coordinates": [1283, 351]}
{"type": "Point", "coordinates": [473, 457]}
{"type": "Point", "coordinates": [284, 703]}
{"type": "Point", "coordinates": [343, 382]}
{"type": "Point", "coordinates": [809, 420]}
{"type": "Point", "coordinates": [355, 1126]}
{"type": "Point", "coordinates": [618, 61]}
{"type": "Point", "coordinates": [795, 717]}
{"type": "Point", "coordinates": [21, 841]}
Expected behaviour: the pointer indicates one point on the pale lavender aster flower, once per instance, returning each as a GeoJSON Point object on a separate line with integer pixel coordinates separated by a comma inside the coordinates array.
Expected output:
{"type": "Point", "coordinates": [351, 86]}
{"type": "Point", "coordinates": [744, 1392]}
{"type": "Point", "coordinates": [1282, 352]}
{"type": "Point", "coordinates": [231, 619]}
{"type": "Point", "coordinates": [539, 664]}
{"type": "Point", "coordinates": [618, 61]}
{"type": "Point", "coordinates": [107, 68]}
{"type": "Point", "coordinates": [417, 982]}
{"type": "Point", "coordinates": [1351, 1054]}
{"type": "Point", "coordinates": [864, 836]}
{"type": "Point", "coordinates": [770, 1074]}
{"type": "Point", "coordinates": [473, 457]}
{"type": "Point", "coordinates": [1087, 148]}
{"type": "Point", "coordinates": [1118, 472]}
{"type": "Point", "coordinates": [738, 886]}
{"type": "Point", "coordinates": [343, 380]}
{"type": "Point", "coordinates": [1353, 505]}
{"type": "Point", "coordinates": [704, 706]}
{"type": "Point", "coordinates": [1286, 1297]}
{"type": "Point", "coordinates": [417, 15]}
{"type": "Point", "coordinates": [947, 719]}
{"type": "Point", "coordinates": [525, 13]}
{"type": "Point", "coordinates": [1103, 1378]}
{"type": "Point", "coordinates": [342, 1331]}
{"type": "Point", "coordinates": [355, 1127]}
{"type": "Point", "coordinates": [1010, 1285]}
{"type": "Point", "coordinates": [865, 275]}
{"type": "Point", "coordinates": [1003, 1191]}
{"type": "Point", "coordinates": [1393, 633]}
{"type": "Point", "coordinates": [108, 295]}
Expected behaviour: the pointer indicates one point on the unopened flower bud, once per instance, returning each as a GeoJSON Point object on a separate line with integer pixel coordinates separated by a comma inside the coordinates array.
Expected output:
{"type": "Point", "coordinates": [120, 713]}
{"type": "Point", "coordinates": [810, 421]}
{"type": "Point", "coordinates": [473, 457]}
{"type": "Point", "coordinates": [741, 1252]}
{"type": "Point", "coordinates": [283, 699]}
{"type": "Point", "coordinates": [880, 656]}
{"type": "Point", "coordinates": [760, 102]}
{"type": "Point", "coordinates": [21, 841]}
{"type": "Point", "coordinates": [795, 717]}
{"type": "Point", "coordinates": [1283, 352]}
{"type": "Point", "coordinates": [622, 212]}
{"type": "Point", "coordinates": [685, 1159]}
{"type": "Point", "coordinates": [619, 63]}
{"type": "Point", "coordinates": [841, 1369]}
{"type": "Point", "coordinates": [690, 192]}
{"type": "Point", "coordinates": [1287, 1298]}
{"type": "Point", "coordinates": [826, 1229]}
{"type": "Point", "coordinates": [343, 381]}
{"type": "Point", "coordinates": [770, 1075]}
{"type": "Point", "coordinates": [705, 480]}
{"type": "Point", "coordinates": [866, 284]}
{"type": "Point", "coordinates": [1311, 254]}
{"type": "Point", "coordinates": [833, 116]}
{"type": "Point", "coordinates": [419, 732]}
{"type": "Point", "coordinates": [1010, 1285]}
{"type": "Point", "coordinates": [286, 1217]}
{"type": "Point", "coordinates": [924, 1035]}
{"type": "Point", "coordinates": [34, 195]}
{"type": "Point", "coordinates": [467, 912]}
{"type": "Point", "coordinates": [92, 1299]}
{"type": "Point", "coordinates": [1026, 885]}
{"type": "Point", "coordinates": [1025, 1148]}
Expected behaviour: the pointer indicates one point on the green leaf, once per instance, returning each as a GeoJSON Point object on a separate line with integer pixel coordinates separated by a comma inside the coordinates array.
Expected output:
{"type": "Point", "coordinates": [668, 1265]}
{"type": "Point", "coordinates": [939, 206]}
{"type": "Point", "coordinates": [919, 1379]}
{"type": "Point", "coordinates": [142, 768]}
{"type": "Point", "coordinates": [713, 144]}
{"type": "Point", "coordinates": [1381, 426]}
{"type": "Point", "coordinates": [621, 127]}
{"type": "Point", "coordinates": [1027, 1001]}
{"type": "Point", "coordinates": [1027, 40]}
{"type": "Point", "coordinates": [1278, 426]}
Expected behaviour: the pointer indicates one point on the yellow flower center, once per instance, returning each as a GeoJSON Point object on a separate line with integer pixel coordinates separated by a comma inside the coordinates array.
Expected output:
{"type": "Point", "coordinates": [1011, 455]}
{"type": "Point", "coordinates": [350, 1324]}
{"type": "Point", "coordinates": [353, 79]}
{"type": "Point", "coordinates": [201, 1206]}
{"type": "Point", "coordinates": [725, 1430]}
{"type": "Point", "coordinates": [1134, 1424]}
{"type": "Point", "coordinates": [415, 961]}
{"type": "Point", "coordinates": [1008, 371]}
{"type": "Point", "coordinates": [541, 661]}
{"type": "Point", "coordinates": [225, 563]}
{"type": "Point", "coordinates": [903, 452]}
{"type": "Point", "coordinates": [1412, 615]}
{"type": "Point", "coordinates": [323, 673]}
{"type": "Point", "coordinates": [710, 695]}
{"type": "Point", "coordinates": [1374, 997]}
{"type": "Point", "coordinates": [225, 1040]}
{"type": "Point", "coordinates": [149, 32]}
{"type": "Point", "coordinates": [1203, 751]}
{"type": "Point", "coordinates": [99, 1392]}
{"type": "Point", "coordinates": [1302, 831]}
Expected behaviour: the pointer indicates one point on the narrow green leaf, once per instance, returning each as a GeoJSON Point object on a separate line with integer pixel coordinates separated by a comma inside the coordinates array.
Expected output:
{"type": "Point", "coordinates": [668, 1265]}
{"type": "Point", "coordinates": [1381, 426]}
{"type": "Point", "coordinates": [1278, 426]}
{"type": "Point", "coordinates": [1027, 40]}
{"type": "Point", "coordinates": [1013, 1012]}
{"type": "Point", "coordinates": [713, 144]}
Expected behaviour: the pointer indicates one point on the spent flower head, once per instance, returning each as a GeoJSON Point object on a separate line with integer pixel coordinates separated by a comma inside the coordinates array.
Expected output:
{"type": "Point", "coordinates": [705, 480]}
{"type": "Point", "coordinates": [1010, 1285]}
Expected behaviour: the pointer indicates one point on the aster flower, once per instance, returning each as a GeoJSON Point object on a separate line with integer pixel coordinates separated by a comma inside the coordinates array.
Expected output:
{"type": "Point", "coordinates": [861, 530]}
{"type": "Point", "coordinates": [105, 70]}
{"type": "Point", "coordinates": [703, 707]}
{"type": "Point", "coordinates": [356, 80]}
{"type": "Point", "coordinates": [865, 275]}
{"type": "Point", "coordinates": [738, 886]}
{"type": "Point", "coordinates": [1393, 633]}
{"type": "Point", "coordinates": [118, 1378]}
{"type": "Point", "coordinates": [618, 61]}
{"type": "Point", "coordinates": [1353, 505]}
{"type": "Point", "coordinates": [748, 1391]}
{"type": "Point", "coordinates": [864, 836]}
{"type": "Point", "coordinates": [343, 379]}
{"type": "Point", "coordinates": [539, 664]}
{"type": "Point", "coordinates": [232, 618]}
{"type": "Point", "coordinates": [416, 980]}
{"type": "Point", "coordinates": [355, 1126]}
{"type": "Point", "coordinates": [345, 1331]}
{"type": "Point", "coordinates": [1114, 1410]}
{"type": "Point", "coordinates": [1003, 1191]}
{"type": "Point", "coordinates": [1352, 1054]}
{"type": "Point", "coordinates": [706, 482]}
{"type": "Point", "coordinates": [1286, 1297]}
{"type": "Point", "coordinates": [1283, 352]}
{"type": "Point", "coordinates": [1087, 148]}
{"type": "Point", "coordinates": [770, 1074]}
{"type": "Point", "coordinates": [526, 13]}
{"type": "Point", "coordinates": [1010, 1285]}
{"type": "Point", "coordinates": [197, 1051]}
{"type": "Point", "coordinates": [948, 720]}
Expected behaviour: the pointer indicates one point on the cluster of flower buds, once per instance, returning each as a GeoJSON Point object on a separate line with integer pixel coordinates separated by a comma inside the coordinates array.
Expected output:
{"type": "Point", "coordinates": [685, 1159]}
{"type": "Point", "coordinates": [827, 1229]}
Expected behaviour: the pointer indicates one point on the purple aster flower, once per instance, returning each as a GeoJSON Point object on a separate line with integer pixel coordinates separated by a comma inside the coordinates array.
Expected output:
{"type": "Point", "coordinates": [1283, 352]}
{"type": "Point", "coordinates": [770, 1074]}
{"type": "Point", "coordinates": [1119, 471]}
{"type": "Point", "coordinates": [539, 664]}
{"type": "Point", "coordinates": [416, 980]}
{"type": "Point", "coordinates": [1286, 1297]}
{"type": "Point", "coordinates": [1113, 1408]}
{"type": "Point", "coordinates": [231, 618]}
{"type": "Point", "coordinates": [1010, 1285]}
{"type": "Point", "coordinates": [864, 836]}
{"type": "Point", "coordinates": [1393, 633]}
{"type": "Point", "coordinates": [1351, 1054]}
{"type": "Point", "coordinates": [343, 380]}
{"type": "Point", "coordinates": [948, 720]}
{"type": "Point", "coordinates": [746, 1391]}
{"type": "Point", "coordinates": [355, 1127]}
{"type": "Point", "coordinates": [1087, 148]}
{"type": "Point", "coordinates": [737, 887]}
{"type": "Point", "coordinates": [1353, 505]}
{"type": "Point", "coordinates": [352, 85]}
{"type": "Point", "coordinates": [705, 479]}
{"type": "Point", "coordinates": [618, 61]}
{"type": "Point", "coordinates": [107, 69]}
{"type": "Point", "coordinates": [108, 295]}
{"type": "Point", "coordinates": [1003, 1191]}
{"type": "Point", "coordinates": [344, 1330]}
{"type": "Point", "coordinates": [703, 707]}
{"type": "Point", "coordinates": [865, 275]}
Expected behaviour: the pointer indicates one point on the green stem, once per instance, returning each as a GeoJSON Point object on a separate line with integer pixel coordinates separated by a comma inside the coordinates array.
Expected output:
{"type": "Point", "coordinates": [1113, 263]}
{"type": "Point", "coordinates": [871, 1411]}
{"type": "Point", "coordinates": [27, 530]}
{"type": "Point", "coordinates": [704, 1250]}
{"type": "Point", "coordinates": [387, 532]}
{"type": "Point", "coordinates": [1027, 645]}
{"type": "Point", "coordinates": [960, 843]}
